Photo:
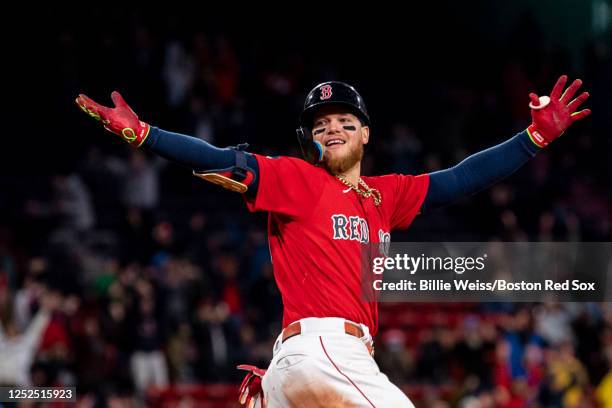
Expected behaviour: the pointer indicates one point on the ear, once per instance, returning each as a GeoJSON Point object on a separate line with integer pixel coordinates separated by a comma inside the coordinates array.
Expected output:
{"type": "Point", "coordinates": [365, 134]}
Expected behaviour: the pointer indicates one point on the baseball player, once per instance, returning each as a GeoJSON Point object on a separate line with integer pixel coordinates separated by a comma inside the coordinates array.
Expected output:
{"type": "Point", "coordinates": [321, 212]}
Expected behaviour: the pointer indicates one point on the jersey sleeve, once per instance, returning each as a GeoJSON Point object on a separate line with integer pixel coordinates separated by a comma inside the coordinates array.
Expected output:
{"type": "Point", "coordinates": [287, 186]}
{"type": "Point", "coordinates": [409, 194]}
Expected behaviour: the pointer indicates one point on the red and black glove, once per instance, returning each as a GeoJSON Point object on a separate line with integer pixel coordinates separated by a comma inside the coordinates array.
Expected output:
{"type": "Point", "coordinates": [551, 116]}
{"type": "Point", "coordinates": [121, 120]}
{"type": "Point", "coordinates": [250, 389]}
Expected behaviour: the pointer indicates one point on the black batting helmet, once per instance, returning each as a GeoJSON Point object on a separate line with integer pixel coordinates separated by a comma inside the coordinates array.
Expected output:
{"type": "Point", "coordinates": [333, 93]}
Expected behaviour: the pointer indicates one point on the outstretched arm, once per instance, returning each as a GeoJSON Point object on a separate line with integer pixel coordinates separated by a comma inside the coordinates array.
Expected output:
{"type": "Point", "coordinates": [551, 116]}
{"type": "Point", "coordinates": [479, 171]}
{"type": "Point", "coordinates": [230, 167]}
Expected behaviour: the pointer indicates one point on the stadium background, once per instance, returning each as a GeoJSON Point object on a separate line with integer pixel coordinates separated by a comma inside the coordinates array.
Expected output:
{"type": "Point", "coordinates": [140, 261]}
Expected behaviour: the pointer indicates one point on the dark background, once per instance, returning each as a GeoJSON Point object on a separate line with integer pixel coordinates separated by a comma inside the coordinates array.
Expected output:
{"type": "Point", "coordinates": [441, 81]}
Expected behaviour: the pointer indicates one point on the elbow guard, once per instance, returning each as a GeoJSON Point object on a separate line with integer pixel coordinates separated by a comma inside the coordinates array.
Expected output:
{"type": "Point", "coordinates": [236, 178]}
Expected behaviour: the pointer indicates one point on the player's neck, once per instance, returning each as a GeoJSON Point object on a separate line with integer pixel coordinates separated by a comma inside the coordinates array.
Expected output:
{"type": "Point", "coordinates": [352, 175]}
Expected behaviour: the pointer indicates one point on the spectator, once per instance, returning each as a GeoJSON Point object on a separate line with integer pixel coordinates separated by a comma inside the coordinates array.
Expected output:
{"type": "Point", "coordinates": [552, 322]}
{"type": "Point", "coordinates": [604, 389]}
{"type": "Point", "coordinates": [182, 355]}
{"type": "Point", "coordinates": [140, 179]}
{"type": "Point", "coordinates": [567, 377]}
{"type": "Point", "coordinates": [70, 207]}
{"type": "Point", "coordinates": [147, 362]}
{"type": "Point", "coordinates": [178, 73]}
{"type": "Point", "coordinates": [17, 349]}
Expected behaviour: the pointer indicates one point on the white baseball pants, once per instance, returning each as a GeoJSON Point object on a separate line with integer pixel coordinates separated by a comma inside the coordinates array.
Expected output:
{"type": "Point", "coordinates": [325, 367]}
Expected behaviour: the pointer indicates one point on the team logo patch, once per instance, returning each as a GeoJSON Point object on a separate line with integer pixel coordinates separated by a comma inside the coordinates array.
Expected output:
{"type": "Point", "coordinates": [326, 92]}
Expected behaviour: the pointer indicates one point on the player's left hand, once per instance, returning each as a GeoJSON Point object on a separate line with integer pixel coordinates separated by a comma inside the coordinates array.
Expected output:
{"type": "Point", "coordinates": [250, 389]}
{"type": "Point", "coordinates": [551, 116]}
{"type": "Point", "coordinates": [120, 120]}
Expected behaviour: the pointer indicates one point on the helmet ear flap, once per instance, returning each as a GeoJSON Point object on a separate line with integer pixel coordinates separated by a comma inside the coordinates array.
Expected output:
{"type": "Point", "coordinates": [311, 149]}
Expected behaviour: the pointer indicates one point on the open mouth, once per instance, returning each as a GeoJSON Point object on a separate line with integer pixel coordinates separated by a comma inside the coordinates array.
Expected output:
{"type": "Point", "coordinates": [334, 142]}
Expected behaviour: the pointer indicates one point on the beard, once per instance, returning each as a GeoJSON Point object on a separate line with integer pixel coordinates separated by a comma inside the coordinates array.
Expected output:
{"type": "Point", "coordinates": [340, 165]}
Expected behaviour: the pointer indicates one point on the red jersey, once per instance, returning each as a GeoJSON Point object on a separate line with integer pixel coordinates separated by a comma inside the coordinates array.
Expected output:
{"type": "Point", "coordinates": [317, 228]}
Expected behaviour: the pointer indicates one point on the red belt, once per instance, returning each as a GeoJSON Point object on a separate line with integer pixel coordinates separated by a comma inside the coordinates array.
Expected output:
{"type": "Point", "coordinates": [352, 329]}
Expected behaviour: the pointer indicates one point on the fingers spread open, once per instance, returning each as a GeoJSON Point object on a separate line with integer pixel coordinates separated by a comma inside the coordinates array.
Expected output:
{"type": "Point", "coordinates": [120, 102]}
{"type": "Point", "coordinates": [575, 104]}
{"type": "Point", "coordinates": [94, 109]}
{"type": "Point", "coordinates": [581, 115]}
{"type": "Point", "coordinates": [86, 101]}
{"type": "Point", "coordinates": [571, 91]}
{"type": "Point", "coordinates": [558, 88]}
{"type": "Point", "coordinates": [118, 99]}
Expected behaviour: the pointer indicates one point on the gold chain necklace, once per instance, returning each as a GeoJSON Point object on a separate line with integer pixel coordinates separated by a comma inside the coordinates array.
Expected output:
{"type": "Point", "coordinates": [367, 192]}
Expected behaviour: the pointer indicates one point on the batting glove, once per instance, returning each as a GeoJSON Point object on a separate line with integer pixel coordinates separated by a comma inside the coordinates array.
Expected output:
{"type": "Point", "coordinates": [551, 116]}
{"type": "Point", "coordinates": [120, 120]}
{"type": "Point", "coordinates": [250, 389]}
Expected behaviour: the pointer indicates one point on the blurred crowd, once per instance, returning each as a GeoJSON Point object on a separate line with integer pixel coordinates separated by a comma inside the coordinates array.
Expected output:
{"type": "Point", "coordinates": [119, 271]}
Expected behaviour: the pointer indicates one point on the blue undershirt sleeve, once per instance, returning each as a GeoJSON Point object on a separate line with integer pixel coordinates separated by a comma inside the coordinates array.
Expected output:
{"type": "Point", "coordinates": [196, 154]}
{"type": "Point", "coordinates": [479, 171]}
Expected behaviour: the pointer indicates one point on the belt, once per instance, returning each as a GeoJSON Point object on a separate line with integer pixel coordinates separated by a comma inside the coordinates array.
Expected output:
{"type": "Point", "coordinates": [352, 329]}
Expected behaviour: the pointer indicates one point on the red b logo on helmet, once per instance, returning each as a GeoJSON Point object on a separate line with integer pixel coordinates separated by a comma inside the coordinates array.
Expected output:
{"type": "Point", "coordinates": [326, 92]}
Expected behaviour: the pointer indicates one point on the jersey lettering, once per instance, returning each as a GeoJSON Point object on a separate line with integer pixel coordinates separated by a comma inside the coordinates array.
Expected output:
{"type": "Point", "coordinates": [352, 228]}
{"type": "Point", "coordinates": [385, 241]}
{"type": "Point", "coordinates": [354, 223]}
{"type": "Point", "coordinates": [340, 222]}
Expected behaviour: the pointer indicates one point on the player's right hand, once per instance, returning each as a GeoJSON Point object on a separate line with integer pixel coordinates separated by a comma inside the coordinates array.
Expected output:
{"type": "Point", "coordinates": [120, 120]}
{"type": "Point", "coordinates": [552, 115]}
{"type": "Point", "coordinates": [250, 389]}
